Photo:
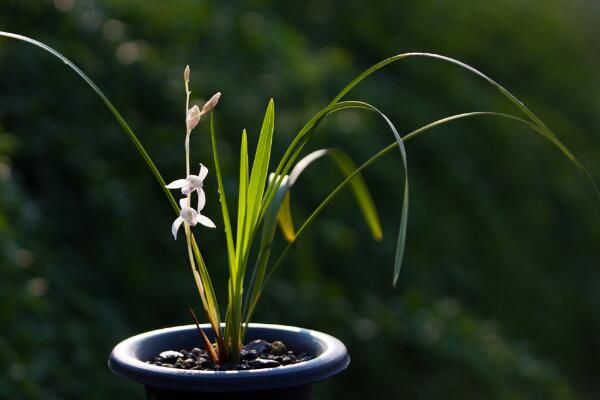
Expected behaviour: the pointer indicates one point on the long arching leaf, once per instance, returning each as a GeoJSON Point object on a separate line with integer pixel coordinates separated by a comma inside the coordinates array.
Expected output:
{"type": "Point", "coordinates": [358, 186]}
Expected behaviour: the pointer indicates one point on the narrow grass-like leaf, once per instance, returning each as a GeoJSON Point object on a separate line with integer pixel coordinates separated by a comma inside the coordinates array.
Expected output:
{"type": "Point", "coordinates": [258, 282]}
{"type": "Point", "coordinates": [243, 190]}
{"type": "Point", "coordinates": [212, 310]}
{"type": "Point", "coordinates": [315, 120]}
{"type": "Point", "coordinates": [357, 184]}
{"type": "Point", "coordinates": [264, 252]}
{"type": "Point", "coordinates": [132, 136]}
{"type": "Point", "coordinates": [260, 168]}
{"type": "Point", "coordinates": [295, 148]}
{"type": "Point", "coordinates": [254, 197]}
{"type": "Point", "coordinates": [222, 197]}
{"type": "Point", "coordinates": [285, 220]}
{"type": "Point", "coordinates": [304, 135]}
{"type": "Point", "coordinates": [549, 134]}
{"type": "Point", "coordinates": [213, 313]}
{"type": "Point", "coordinates": [376, 157]}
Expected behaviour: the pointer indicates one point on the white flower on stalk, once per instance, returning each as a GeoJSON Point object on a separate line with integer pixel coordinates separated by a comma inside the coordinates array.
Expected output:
{"type": "Point", "coordinates": [212, 103]}
{"type": "Point", "coordinates": [193, 117]}
{"type": "Point", "coordinates": [186, 74]}
{"type": "Point", "coordinates": [195, 113]}
{"type": "Point", "coordinates": [191, 216]}
{"type": "Point", "coordinates": [191, 183]}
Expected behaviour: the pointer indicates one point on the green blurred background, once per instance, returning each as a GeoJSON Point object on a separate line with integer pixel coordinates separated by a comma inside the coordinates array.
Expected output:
{"type": "Point", "coordinates": [498, 296]}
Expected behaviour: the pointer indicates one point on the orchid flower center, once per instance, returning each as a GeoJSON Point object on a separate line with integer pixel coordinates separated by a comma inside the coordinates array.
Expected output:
{"type": "Point", "coordinates": [194, 181]}
{"type": "Point", "coordinates": [189, 215]}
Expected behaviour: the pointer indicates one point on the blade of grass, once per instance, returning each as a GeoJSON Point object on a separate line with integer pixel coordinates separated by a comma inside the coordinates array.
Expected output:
{"type": "Point", "coordinates": [362, 195]}
{"type": "Point", "coordinates": [212, 311]}
{"type": "Point", "coordinates": [268, 233]}
{"type": "Point", "coordinates": [243, 190]}
{"type": "Point", "coordinates": [314, 121]}
{"type": "Point", "coordinates": [256, 292]}
{"type": "Point", "coordinates": [376, 157]}
{"type": "Point", "coordinates": [222, 197]}
{"type": "Point", "coordinates": [295, 148]}
{"type": "Point", "coordinates": [256, 187]}
{"type": "Point", "coordinates": [207, 345]}
{"type": "Point", "coordinates": [258, 176]}
{"type": "Point", "coordinates": [132, 136]}
{"type": "Point", "coordinates": [358, 186]}
{"type": "Point", "coordinates": [285, 220]}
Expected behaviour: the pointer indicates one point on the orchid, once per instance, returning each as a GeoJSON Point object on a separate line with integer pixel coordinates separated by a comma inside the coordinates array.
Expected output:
{"type": "Point", "coordinates": [263, 202]}
{"type": "Point", "coordinates": [193, 117]}
{"type": "Point", "coordinates": [191, 183]}
{"type": "Point", "coordinates": [195, 113]}
{"type": "Point", "coordinates": [190, 216]}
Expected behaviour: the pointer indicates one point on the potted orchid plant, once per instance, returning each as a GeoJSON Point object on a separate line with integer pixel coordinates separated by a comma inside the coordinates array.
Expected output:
{"type": "Point", "coordinates": [231, 357]}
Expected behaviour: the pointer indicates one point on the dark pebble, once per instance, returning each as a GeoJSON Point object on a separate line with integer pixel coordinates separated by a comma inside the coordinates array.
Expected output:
{"type": "Point", "coordinates": [278, 348]}
{"type": "Point", "coordinates": [248, 354]}
{"type": "Point", "coordinates": [196, 352]}
{"type": "Point", "coordinates": [259, 345]}
{"type": "Point", "coordinates": [170, 356]}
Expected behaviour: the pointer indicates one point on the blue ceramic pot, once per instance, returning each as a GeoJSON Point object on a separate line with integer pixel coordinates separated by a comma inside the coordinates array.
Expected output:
{"type": "Point", "coordinates": [290, 382]}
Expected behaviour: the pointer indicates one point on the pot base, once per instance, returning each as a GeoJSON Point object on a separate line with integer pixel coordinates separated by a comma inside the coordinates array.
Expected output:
{"type": "Point", "coordinates": [303, 392]}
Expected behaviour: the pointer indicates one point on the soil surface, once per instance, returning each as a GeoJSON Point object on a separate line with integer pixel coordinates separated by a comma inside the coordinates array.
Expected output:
{"type": "Point", "coordinates": [257, 354]}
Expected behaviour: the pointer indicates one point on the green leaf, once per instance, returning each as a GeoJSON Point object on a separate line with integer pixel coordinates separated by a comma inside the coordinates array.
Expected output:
{"type": "Point", "coordinates": [222, 197]}
{"type": "Point", "coordinates": [256, 187]}
{"type": "Point", "coordinates": [264, 252]}
{"type": "Point", "coordinates": [286, 223]}
{"type": "Point", "coordinates": [543, 129]}
{"type": "Point", "coordinates": [295, 148]}
{"type": "Point", "coordinates": [357, 184]}
{"type": "Point", "coordinates": [258, 176]}
{"type": "Point", "coordinates": [275, 204]}
{"type": "Point", "coordinates": [243, 191]}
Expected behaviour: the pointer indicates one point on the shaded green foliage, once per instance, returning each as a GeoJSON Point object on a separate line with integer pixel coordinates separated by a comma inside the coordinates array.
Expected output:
{"type": "Point", "coordinates": [498, 295]}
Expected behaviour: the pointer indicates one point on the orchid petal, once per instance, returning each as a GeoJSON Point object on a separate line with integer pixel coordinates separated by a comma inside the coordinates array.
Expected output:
{"type": "Point", "coordinates": [211, 103]}
{"type": "Point", "coordinates": [193, 117]}
{"type": "Point", "coordinates": [183, 203]}
{"type": "Point", "coordinates": [189, 215]}
{"type": "Point", "coordinates": [203, 172]}
{"type": "Point", "coordinates": [175, 227]}
{"type": "Point", "coordinates": [204, 220]}
{"type": "Point", "coordinates": [177, 184]}
{"type": "Point", "coordinates": [201, 199]}
{"type": "Point", "coordinates": [194, 181]}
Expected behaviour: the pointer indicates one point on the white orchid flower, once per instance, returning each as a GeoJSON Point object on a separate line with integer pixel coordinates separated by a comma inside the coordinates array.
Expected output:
{"type": "Point", "coordinates": [210, 104]}
{"type": "Point", "coordinates": [190, 216]}
{"type": "Point", "coordinates": [195, 113]}
{"type": "Point", "coordinates": [193, 117]}
{"type": "Point", "coordinates": [191, 183]}
{"type": "Point", "coordinates": [186, 74]}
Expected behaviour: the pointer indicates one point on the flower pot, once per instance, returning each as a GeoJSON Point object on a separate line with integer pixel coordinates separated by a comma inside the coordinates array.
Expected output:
{"type": "Point", "coordinates": [290, 382]}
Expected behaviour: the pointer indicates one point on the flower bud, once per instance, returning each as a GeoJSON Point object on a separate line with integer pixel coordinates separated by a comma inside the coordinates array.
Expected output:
{"type": "Point", "coordinates": [193, 117]}
{"type": "Point", "coordinates": [186, 73]}
{"type": "Point", "coordinates": [212, 103]}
